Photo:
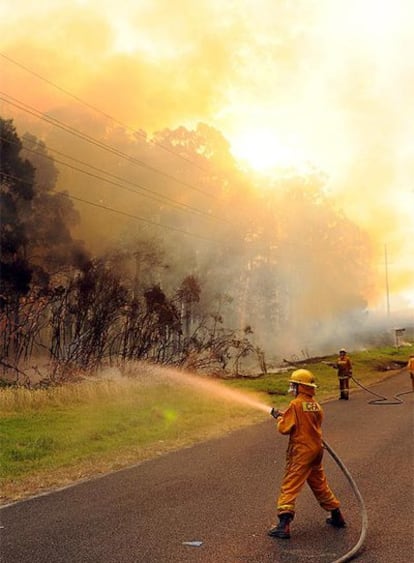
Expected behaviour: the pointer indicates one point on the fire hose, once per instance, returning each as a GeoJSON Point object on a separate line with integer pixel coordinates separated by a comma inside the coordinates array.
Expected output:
{"type": "Point", "coordinates": [352, 552]}
{"type": "Point", "coordinates": [380, 400]}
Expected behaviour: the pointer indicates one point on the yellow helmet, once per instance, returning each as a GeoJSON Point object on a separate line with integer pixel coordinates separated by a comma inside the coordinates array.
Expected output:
{"type": "Point", "coordinates": [304, 377]}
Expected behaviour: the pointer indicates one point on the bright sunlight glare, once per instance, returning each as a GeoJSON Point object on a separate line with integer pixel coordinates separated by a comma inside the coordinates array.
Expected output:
{"type": "Point", "coordinates": [262, 150]}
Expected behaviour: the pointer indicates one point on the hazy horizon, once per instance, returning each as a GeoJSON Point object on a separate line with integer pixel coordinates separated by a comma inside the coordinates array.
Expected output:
{"type": "Point", "coordinates": [312, 86]}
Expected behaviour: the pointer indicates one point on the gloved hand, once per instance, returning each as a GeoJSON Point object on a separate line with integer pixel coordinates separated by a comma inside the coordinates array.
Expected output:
{"type": "Point", "coordinates": [275, 413]}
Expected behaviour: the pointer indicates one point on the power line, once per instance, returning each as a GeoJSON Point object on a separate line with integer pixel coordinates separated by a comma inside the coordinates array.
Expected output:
{"type": "Point", "coordinates": [151, 194]}
{"type": "Point", "coordinates": [118, 212]}
{"type": "Point", "coordinates": [11, 100]}
{"type": "Point", "coordinates": [94, 108]}
{"type": "Point", "coordinates": [138, 218]}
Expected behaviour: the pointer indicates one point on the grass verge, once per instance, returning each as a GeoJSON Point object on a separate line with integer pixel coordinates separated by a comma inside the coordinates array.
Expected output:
{"type": "Point", "coordinates": [52, 437]}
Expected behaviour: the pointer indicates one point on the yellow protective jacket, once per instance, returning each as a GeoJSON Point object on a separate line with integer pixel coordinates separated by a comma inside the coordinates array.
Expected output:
{"type": "Point", "coordinates": [302, 421]}
{"type": "Point", "coordinates": [344, 367]}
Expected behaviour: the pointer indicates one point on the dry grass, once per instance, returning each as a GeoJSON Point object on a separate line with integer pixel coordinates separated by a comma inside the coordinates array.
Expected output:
{"type": "Point", "coordinates": [54, 437]}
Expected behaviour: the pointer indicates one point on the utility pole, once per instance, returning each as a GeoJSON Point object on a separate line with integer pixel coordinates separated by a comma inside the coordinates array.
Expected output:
{"type": "Point", "coordinates": [387, 288]}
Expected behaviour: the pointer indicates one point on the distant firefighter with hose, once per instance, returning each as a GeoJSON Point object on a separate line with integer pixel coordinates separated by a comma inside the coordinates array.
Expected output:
{"type": "Point", "coordinates": [302, 421]}
{"type": "Point", "coordinates": [343, 365]}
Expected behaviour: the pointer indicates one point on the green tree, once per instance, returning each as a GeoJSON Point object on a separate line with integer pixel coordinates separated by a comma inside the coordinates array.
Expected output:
{"type": "Point", "coordinates": [36, 222]}
{"type": "Point", "coordinates": [16, 195]}
{"type": "Point", "coordinates": [52, 217]}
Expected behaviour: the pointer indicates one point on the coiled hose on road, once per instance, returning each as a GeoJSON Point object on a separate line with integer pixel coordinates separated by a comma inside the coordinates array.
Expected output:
{"type": "Point", "coordinates": [381, 399]}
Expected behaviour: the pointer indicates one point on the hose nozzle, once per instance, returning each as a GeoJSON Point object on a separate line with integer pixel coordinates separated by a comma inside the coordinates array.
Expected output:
{"type": "Point", "coordinates": [275, 413]}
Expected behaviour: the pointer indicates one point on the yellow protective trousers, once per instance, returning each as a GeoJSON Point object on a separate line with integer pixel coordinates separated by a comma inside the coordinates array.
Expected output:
{"type": "Point", "coordinates": [302, 421]}
{"type": "Point", "coordinates": [299, 470]}
{"type": "Point", "coordinates": [344, 383]}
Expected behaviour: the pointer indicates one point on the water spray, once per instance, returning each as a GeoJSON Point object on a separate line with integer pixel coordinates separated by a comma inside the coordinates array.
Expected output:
{"type": "Point", "coordinates": [214, 388]}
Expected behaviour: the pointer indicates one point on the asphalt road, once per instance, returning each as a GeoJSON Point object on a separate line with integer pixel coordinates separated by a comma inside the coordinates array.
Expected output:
{"type": "Point", "coordinates": [222, 493]}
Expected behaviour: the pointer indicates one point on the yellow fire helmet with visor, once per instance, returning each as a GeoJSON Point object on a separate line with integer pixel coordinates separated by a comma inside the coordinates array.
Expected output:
{"type": "Point", "coordinates": [303, 377]}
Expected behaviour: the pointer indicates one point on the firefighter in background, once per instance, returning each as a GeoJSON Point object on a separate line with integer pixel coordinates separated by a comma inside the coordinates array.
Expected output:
{"type": "Point", "coordinates": [343, 366]}
{"type": "Point", "coordinates": [410, 367]}
{"type": "Point", "coordinates": [302, 422]}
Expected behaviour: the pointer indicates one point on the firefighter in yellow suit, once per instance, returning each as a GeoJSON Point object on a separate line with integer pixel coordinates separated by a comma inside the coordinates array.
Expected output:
{"type": "Point", "coordinates": [344, 366]}
{"type": "Point", "coordinates": [410, 367]}
{"type": "Point", "coordinates": [302, 422]}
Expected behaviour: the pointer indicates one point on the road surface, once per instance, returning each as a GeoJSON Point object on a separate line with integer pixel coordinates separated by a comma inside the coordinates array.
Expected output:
{"type": "Point", "coordinates": [222, 494]}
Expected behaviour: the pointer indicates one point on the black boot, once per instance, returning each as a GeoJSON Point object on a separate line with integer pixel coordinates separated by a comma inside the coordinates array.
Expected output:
{"type": "Point", "coordinates": [282, 530]}
{"type": "Point", "coordinates": [336, 520]}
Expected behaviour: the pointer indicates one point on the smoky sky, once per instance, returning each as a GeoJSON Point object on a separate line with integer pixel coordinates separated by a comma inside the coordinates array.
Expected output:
{"type": "Point", "coordinates": [333, 79]}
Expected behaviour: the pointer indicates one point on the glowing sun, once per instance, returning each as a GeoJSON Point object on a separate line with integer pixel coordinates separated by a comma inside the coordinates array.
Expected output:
{"type": "Point", "coordinates": [262, 150]}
